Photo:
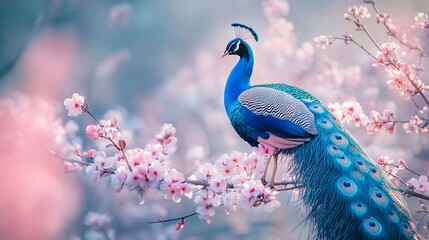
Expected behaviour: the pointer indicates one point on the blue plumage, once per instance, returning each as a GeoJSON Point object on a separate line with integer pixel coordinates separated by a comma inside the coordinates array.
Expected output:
{"type": "Point", "coordinates": [347, 195]}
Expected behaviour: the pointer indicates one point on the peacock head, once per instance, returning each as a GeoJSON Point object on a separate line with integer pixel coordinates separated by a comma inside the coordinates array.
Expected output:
{"type": "Point", "coordinates": [238, 46]}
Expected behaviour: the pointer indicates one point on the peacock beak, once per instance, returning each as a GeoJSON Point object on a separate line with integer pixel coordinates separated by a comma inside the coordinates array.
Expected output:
{"type": "Point", "coordinates": [225, 53]}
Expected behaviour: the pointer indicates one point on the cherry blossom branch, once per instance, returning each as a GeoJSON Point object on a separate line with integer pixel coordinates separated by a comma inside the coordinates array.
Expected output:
{"type": "Point", "coordinates": [71, 160]}
{"type": "Point", "coordinates": [348, 38]}
{"type": "Point", "coordinates": [389, 29]}
{"type": "Point", "coordinates": [415, 194]}
{"type": "Point", "coordinates": [182, 218]}
{"type": "Point", "coordinates": [404, 166]}
{"type": "Point", "coordinates": [232, 181]}
{"type": "Point", "coordinates": [85, 108]}
{"type": "Point", "coordinates": [386, 55]}
{"type": "Point", "coordinates": [413, 185]}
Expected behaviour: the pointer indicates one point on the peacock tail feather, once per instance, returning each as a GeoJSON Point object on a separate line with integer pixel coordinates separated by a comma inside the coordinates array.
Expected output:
{"type": "Point", "coordinates": [347, 195]}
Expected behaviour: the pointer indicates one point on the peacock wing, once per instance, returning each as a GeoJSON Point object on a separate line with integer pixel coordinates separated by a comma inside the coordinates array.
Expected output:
{"type": "Point", "coordinates": [276, 118]}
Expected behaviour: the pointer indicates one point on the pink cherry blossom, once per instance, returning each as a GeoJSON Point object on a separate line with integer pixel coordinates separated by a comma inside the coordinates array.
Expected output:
{"type": "Point", "coordinates": [400, 82]}
{"type": "Point", "coordinates": [421, 21]}
{"type": "Point", "coordinates": [118, 179]}
{"type": "Point", "coordinates": [359, 12]}
{"type": "Point", "coordinates": [384, 161]}
{"type": "Point", "coordinates": [108, 129]}
{"type": "Point", "coordinates": [349, 111]}
{"type": "Point", "coordinates": [378, 121]}
{"type": "Point", "coordinates": [249, 194]}
{"type": "Point", "coordinates": [413, 124]}
{"type": "Point", "coordinates": [166, 137]}
{"type": "Point", "coordinates": [207, 200]}
{"type": "Point", "coordinates": [156, 171]}
{"type": "Point", "coordinates": [269, 200]}
{"type": "Point", "coordinates": [218, 185]}
{"type": "Point", "coordinates": [388, 53]}
{"type": "Point", "coordinates": [91, 153]}
{"type": "Point", "coordinates": [97, 220]}
{"type": "Point", "coordinates": [225, 166]}
{"type": "Point", "coordinates": [323, 41]}
{"type": "Point", "coordinates": [94, 172]}
{"type": "Point", "coordinates": [92, 132]}
{"type": "Point", "coordinates": [424, 113]}
{"type": "Point", "coordinates": [102, 161]}
{"type": "Point", "coordinates": [72, 167]}
{"type": "Point", "coordinates": [421, 185]}
{"type": "Point", "coordinates": [230, 199]}
{"type": "Point", "coordinates": [74, 104]}
{"type": "Point", "coordinates": [391, 166]}
{"type": "Point", "coordinates": [172, 186]}
{"type": "Point", "coordinates": [383, 18]}
{"type": "Point", "coordinates": [204, 172]}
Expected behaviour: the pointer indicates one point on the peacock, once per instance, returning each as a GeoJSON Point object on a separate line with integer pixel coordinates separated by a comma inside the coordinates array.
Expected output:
{"type": "Point", "coordinates": [346, 194]}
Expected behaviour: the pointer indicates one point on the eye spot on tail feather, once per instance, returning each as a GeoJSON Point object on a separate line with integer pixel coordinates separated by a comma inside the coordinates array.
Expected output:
{"type": "Point", "coordinates": [339, 139]}
{"type": "Point", "coordinates": [334, 150]}
{"type": "Point", "coordinates": [379, 197]}
{"type": "Point", "coordinates": [316, 108]}
{"type": "Point", "coordinates": [393, 216]}
{"type": "Point", "coordinates": [407, 229]}
{"type": "Point", "coordinates": [325, 123]}
{"type": "Point", "coordinates": [360, 163]}
{"type": "Point", "coordinates": [358, 175]}
{"type": "Point", "coordinates": [343, 161]}
{"type": "Point", "coordinates": [359, 208]}
{"type": "Point", "coordinates": [347, 187]}
{"type": "Point", "coordinates": [372, 226]}
{"type": "Point", "coordinates": [375, 173]}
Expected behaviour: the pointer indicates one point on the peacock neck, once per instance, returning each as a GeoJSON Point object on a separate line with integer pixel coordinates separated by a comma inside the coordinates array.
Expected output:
{"type": "Point", "coordinates": [238, 80]}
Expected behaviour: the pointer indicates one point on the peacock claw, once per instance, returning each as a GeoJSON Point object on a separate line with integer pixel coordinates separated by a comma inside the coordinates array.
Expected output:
{"type": "Point", "coordinates": [264, 181]}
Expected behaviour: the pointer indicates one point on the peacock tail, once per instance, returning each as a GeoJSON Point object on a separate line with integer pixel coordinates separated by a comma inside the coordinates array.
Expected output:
{"type": "Point", "coordinates": [346, 194]}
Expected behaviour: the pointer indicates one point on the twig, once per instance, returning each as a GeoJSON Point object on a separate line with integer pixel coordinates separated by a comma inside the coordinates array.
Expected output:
{"type": "Point", "coordinates": [110, 139]}
{"type": "Point", "coordinates": [70, 160]}
{"type": "Point", "coordinates": [415, 194]}
{"type": "Point", "coordinates": [290, 188]}
{"type": "Point", "coordinates": [357, 44]}
{"type": "Point", "coordinates": [173, 219]}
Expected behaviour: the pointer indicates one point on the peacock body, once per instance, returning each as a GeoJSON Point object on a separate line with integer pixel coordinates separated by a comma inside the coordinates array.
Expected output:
{"type": "Point", "coordinates": [347, 195]}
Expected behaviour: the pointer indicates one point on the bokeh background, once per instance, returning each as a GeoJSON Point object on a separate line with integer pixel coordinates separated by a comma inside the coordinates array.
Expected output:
{"type": "Point", "coordinates": [151, 62]}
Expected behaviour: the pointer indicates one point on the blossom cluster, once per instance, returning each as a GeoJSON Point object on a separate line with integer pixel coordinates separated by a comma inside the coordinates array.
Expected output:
{"type": "Point", "coordinates": [324, 41]}
{"type": "Point", "coordinates": [349, 111]}
{"type": "Point", "coordinates": [390, 166]}
{"type": "Point", "coordinates": [379, 121]}
{"type": "Point", "coordinates": [357, 12]}
{"type": "Point", "coordinates": [352, 112]}
{"type": "Point", "coordinates": [232, 180]}
{"type": "Point", "coordinates": [404, 73]}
